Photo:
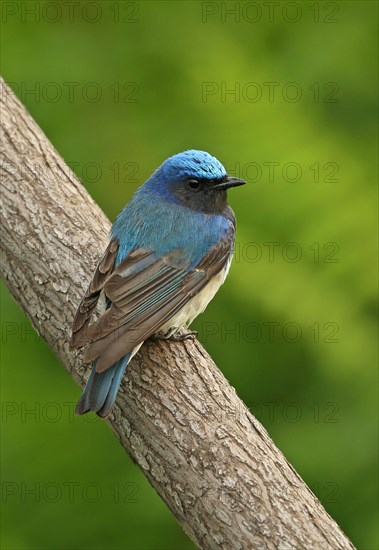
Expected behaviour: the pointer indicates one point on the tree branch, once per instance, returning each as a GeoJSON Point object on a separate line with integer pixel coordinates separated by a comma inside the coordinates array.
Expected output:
{"type": "Point", "coordinates": [176, 415]}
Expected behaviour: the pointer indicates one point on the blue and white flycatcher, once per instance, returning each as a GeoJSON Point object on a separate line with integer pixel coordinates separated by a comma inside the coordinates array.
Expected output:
{"type": "Point", "coordinates": [170, 250]}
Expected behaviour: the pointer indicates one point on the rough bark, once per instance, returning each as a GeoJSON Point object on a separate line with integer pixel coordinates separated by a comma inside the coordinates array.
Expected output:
{"type": "Point", "coordinates": [209, 459]}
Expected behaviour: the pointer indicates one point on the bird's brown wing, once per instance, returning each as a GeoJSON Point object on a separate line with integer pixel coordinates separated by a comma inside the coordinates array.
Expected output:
{"type": "Point", "coordinates": [146, 291]}
{"type": "Point", "coordinates": [89, 301]}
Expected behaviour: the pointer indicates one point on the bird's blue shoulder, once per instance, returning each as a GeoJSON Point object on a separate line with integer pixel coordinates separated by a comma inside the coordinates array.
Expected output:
{"type": "Point", "coordinates": [151, 222]}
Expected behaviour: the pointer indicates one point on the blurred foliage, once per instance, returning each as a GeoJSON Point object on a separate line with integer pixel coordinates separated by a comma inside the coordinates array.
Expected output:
{"type": "Point", "coordinates": [166, 72]}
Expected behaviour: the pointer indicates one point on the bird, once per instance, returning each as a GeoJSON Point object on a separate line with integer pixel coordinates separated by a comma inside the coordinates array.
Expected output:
{"type": "Point", "coordinates": [169, 251]}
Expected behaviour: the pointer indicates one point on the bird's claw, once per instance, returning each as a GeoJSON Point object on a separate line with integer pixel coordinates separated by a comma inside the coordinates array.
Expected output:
{"type": "Point", "coordinates": [190, 335]}
{"type": "Point", "coordinates": [176, 337]}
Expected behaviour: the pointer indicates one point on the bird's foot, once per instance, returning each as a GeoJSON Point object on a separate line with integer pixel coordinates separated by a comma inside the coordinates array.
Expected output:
{"type": "Point", "coordinates": [189, 335]}
{"type": "Point", "coordinates": [176, 336]}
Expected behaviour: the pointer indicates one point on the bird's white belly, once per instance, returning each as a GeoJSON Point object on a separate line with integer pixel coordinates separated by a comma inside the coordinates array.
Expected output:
{"type": "Point", "coordinates": [197, 304]}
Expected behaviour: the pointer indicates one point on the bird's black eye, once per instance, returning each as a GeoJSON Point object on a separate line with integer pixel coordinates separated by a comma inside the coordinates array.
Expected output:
{"type": "Point", "coordinates": [193, 184]}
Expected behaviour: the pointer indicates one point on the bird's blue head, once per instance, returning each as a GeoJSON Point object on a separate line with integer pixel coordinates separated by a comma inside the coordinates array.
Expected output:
{"type": "Point", "coordinates": [195, 179]}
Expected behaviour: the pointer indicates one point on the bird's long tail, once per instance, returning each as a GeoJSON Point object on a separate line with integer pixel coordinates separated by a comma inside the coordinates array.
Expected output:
{"type": "Point", "coordinates": [101, 389]}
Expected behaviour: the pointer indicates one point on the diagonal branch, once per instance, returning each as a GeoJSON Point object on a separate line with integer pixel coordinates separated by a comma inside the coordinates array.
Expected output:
{"type": "Point", "coordinates": [208, 458]}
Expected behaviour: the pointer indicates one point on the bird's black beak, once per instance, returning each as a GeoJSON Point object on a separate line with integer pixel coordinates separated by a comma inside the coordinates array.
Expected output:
{"type": "Point", "coordinates": [229, 182]}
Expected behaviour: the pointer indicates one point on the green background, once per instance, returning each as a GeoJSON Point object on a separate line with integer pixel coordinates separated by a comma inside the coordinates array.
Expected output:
{"type": "Point", "coordinates": [293, 331]}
